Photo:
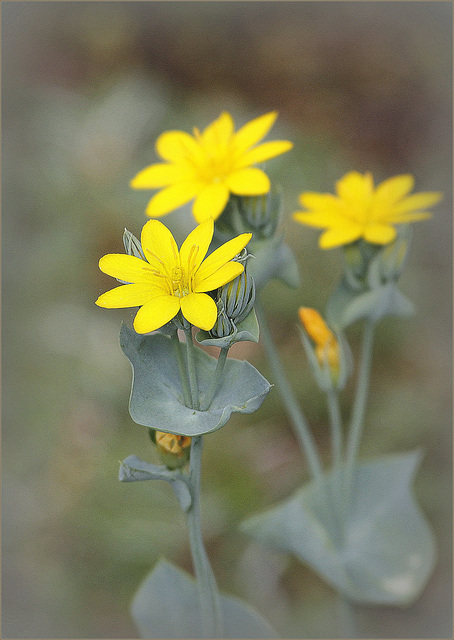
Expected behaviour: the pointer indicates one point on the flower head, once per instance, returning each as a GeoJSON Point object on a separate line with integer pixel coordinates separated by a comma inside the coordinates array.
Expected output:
{"type": "Point", "coordinates": [209, 166]}
{"type": "Point", "coordinates": [170, 280]}
{"type": "Point", "coordinates": [360, 210]}
{"type": "Point", "coordinates": [326, 345]}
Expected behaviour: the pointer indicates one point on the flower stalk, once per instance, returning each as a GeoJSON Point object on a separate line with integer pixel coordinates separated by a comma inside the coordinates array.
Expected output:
{"type": "Point", "coordinates": [359, 407]}
{"type": "Point", "coordinates": [210, 606]}
{"type": "Point", "coordinates": [217, 379]}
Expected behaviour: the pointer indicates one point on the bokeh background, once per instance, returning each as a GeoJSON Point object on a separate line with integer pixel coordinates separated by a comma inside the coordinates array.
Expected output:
{"type": "Point", "coordinates": [87, 87]}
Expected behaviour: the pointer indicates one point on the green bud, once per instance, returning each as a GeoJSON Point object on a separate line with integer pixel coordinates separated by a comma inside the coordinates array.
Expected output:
{"type": "Point", "coordinates": [234, 300]}
{"type": "Point", "coordinates": [261, 214]}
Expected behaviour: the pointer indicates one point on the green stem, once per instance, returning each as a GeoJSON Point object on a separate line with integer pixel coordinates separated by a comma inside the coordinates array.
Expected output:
{"type": "Point", "coordinates": [332, 397]}
{"type": "Point", "coordinates": [359, 407]}
{"type": "Point", "coordinates": [216, 381]}
{"type": "Point", "coordinates": [182, 369]}
{"type": "Point", "coordinates": [210, 605]}
{"type": "Point", "coordinates": [192, 368]}
{"type": "Point", "coordinates": [335, 417]}
{"type": "Point", "coordinates": [288, 398]}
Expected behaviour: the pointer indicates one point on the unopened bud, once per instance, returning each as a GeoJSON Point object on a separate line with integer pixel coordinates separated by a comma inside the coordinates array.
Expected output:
{"type": "Point", "coordinates": [173, 449]}
{"type": "Point", "coordinates": [235, 300]}
{"type": "Point", "coordinates": [326, 345]}
{"type": "Point", "coordinates": [261, 214]}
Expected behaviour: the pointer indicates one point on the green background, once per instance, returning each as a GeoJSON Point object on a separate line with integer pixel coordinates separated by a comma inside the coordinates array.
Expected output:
{"type": "Point", "coordinates": [87, 88]}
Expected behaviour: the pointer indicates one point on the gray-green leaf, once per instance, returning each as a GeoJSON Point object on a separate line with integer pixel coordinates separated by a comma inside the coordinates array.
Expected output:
{"type": "Point", "coordinates": [167, 606]}
{"type": "Point", "coordinates": [157, 397]}
{"type": "Point", "coordinates": [133, 469]}
{"type": "Point", "coordinates": [387, 552]}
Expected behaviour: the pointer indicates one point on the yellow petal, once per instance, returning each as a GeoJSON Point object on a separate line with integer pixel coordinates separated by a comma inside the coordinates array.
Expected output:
{"type": "Point", "coordinates": [161, 175]}
{"type": "Point", "coordinates": [127, 268]}
{"type": "Point", "coordinates": [171, 198]}
{"type": "Point", "coordinates": [254, 131]}
{"type": "Point", "coordinates": [312, 200]}
{"type": "Point", "coordinates": [221, 256]}
{"type": "Point", "coordinates": [416, 202]}
{"type": "Point", "coordinates": [248, 182]}
{"type": "Point", "coordinates": [320, 219]}
{"type": "Point", "coordinates": [379, 233]}
{"type": "Point", "coordinates": [159, 247]}
{"type": "Point", "coordinates": [224, 274]}
{"type": "Point", "coordinates": [156, 313]}
{"type": "Point", "coordinates": [200, 310]}
{"type": "Point", "coordinates": [128, 295]}
{"type": "Point", "coordinates": [355, 187]}
{"type": "Point", "coordinates": [263, 152]}
{"type": "Point", "coordinates": [394, 188]}
{"type": "Point", "coordinates": [335, 237]}
{"type": "Point", "coordinates": [409, 217]}
{"type": "Point", "coordinates": [210, 201]}
{"type": "Point", "coordinates": [195, 247]}
{"type": "Point", "coordinates": [218, 133]}
{"type": "Point", "coordinates": [177, 147]}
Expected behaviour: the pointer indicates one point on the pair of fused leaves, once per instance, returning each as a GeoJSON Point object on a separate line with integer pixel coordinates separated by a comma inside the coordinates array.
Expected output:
{"type": "Point", "coordinates": [167, 606]}
{"type": "Point", "coordinates": [157, 396]}
{"type": "Point", "coordinates": [368, 287]}
{"type": "Point", "coordinates": [376, 548]}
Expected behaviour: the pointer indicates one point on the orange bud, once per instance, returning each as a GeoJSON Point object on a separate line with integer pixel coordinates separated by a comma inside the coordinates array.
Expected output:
{"type": "Point", "coordinates": [326, 345]}
{"type": "Point", "coordinates": [171, 443]}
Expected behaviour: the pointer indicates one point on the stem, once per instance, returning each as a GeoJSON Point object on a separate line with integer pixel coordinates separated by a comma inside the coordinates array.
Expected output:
{"type": "Point", "coordinates": [216, 381]}
{"type": "Point", "coordinates": [336, 427]}
{"type": "Point", "coordinates": [288, 398]}
{"type": "Point", "coordinates": [359, 406]}
{"type": "Point", "coordinates": [182, 369]}
{"type": "Point", "coordinates": [335, 417]}
{"type": "Point", "coordinates": [191, 368]}
{"type": "Point", "coordinates": [210, 605]}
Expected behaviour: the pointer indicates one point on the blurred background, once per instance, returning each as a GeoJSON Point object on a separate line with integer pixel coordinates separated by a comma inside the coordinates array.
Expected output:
{"type": "Point", "coordinates": [87, 88]}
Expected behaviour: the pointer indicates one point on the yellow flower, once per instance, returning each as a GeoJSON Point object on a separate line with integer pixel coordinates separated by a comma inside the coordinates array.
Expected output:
{"type": "Point", "coordinates": [209, 165]}
{"type": "Point", "coordinates": [170, 443]}
{"type": "Point", "coordinates": [326, 345]}
{"type": "Point", "coordinates": [170, 279]}
{"type": "Point", "coordinates": [361, 211]}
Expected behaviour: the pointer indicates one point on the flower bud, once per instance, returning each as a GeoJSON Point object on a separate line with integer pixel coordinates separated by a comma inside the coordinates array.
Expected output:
{"type": "Point", "coordinates": [234, 300]}
{"type": "Point", "coordinates": [173, 450]}
{"type": "Point", "coordinates": [261, 214]}
{"type": "Point", "coordinates": [326, 345]}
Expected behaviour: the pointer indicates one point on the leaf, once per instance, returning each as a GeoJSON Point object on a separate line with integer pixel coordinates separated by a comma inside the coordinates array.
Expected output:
{"type": "Point", "coordinates": [347, 305]}
{"type": "Point", "coordinates": [133, 469]}
{"type": "Point", "coordinates": [386, 300]}
{"type": "Point", "coordinates": [248, 329]}
{"type": "Point", "coordinates": [157, 397]}
{"type": "Point", "coordinates": [387, 551]}
{"type": "Point", "coordinates": [167, 606]}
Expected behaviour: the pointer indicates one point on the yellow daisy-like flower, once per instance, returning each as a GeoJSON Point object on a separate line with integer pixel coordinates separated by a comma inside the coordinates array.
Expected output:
{"type": "Point", "coordinates": [360, 210]}
{"type": "Point", "coordinates": [209, 166]}
{"type": "Point", "coordinates": [170, 279]}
